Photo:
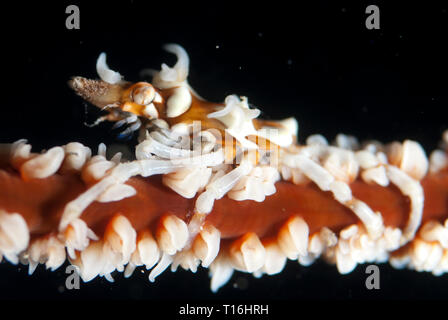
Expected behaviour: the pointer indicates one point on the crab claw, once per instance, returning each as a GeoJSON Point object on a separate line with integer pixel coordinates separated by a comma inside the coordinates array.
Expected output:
{"type": "Point", "coordinates": [98, 92]}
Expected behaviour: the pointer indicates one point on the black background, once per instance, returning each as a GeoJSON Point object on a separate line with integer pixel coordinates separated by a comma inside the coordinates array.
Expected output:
{"type": "Point", "coordinates": [316, 62]}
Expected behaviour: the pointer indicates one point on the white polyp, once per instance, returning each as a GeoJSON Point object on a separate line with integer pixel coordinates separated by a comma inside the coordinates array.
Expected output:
{"type": "Point", "coordinates": [221, 272]}
{"type": "Point", "coordinates": [148, 250]}
{"type": "Point", "coordinates": [91, 261]}
{"type": "Point", "coordinates": [188, 181]}
{"type": "Point", "coordinates": [372, 146]}
{"type": "Point", "coordinates": [395, 153]}
{"type": "Point", "coordinates": [76, 155]}
{"type": "Point", "coordinates": [293, 238]}
{"type": "Point", "coordinates": [341, 164]}
{"type": "Point", "coordinates": [172, 235]}
{"type": "Point", "coordinates": [116, 158]}
{"type": "Point", "coordinates": [307, 260]}
{"type": "Point", "coordinates": [442, 267]}
{"type": "Point", "coordinates": [321, 240]}
{"type": "Point", "coordinates": [414, 161]}
{"type": "Point", "coordinates": [113, 257]}
{"type": "Point", "coordinates": [291, 125]}
{"type": "Point", "coordinates": [328, 237]}
{"type": "Point", "coordinates": [341, 191]}
{"type": "Point", "coordinates": [314, 152]}
{"type": "Point", "coordinates": [109, 277]}
{"type": "Point", "coordinates": [163, 264]}
{"type": "Point", "coordinates": [19, 152]}
{"type": "Point", "coordinates": [349, 232]}
{"type": "Point", "coordinates": [376, 175]}
{"type": "Point", "coordinates": [434, 257]}
{"type": "Point", "coordinates": [250, 255]}
{"type": "Point", "coordinates": [186, 259]}
{"type": "Point", "coordinates": [346, 142]}
{"type": "Point", "coordinates": [409, 157]}
{"type": "Point", "coordinates": [167, 137]}
{"type": "Point", "coordinates": [344, 261]}
{"type": "Point", "coordinates": [123, 238]}
{"type": "Point", "coordinates": [237, 117]}
{"type": "Point", "coordinates": [178, 130]}
{"type": "Point", "coordinates": [43, 165]}
{"type": "Point", "coordinates": [96, 169]}
{"type": "Point", "coordinates": [78, 236]}
{"type": "Point", "coordinates": [218, 188]}
{"type": "Point", "coordinates": [167, 144]}
{"type": "Point", "coordinates": [105, 73]}
{"type": "Point", "coordinates": [281, 134]}
{"type": "Point", "coordinates": [392, 238]}
{"type": "Point", "coordinates": [129, 270]}
{"type": "Point", "coordinates": [366, 159]}
{"type": "Point", "coordinates": [399, 261]}
{"type": "Point", "coordinates": [286, 172]}
{"type": "Point", "coordinates": [258, 184]}
{"type": "Point", "coordinates": [206, 245]}
{"type": "Point", "coordinates": [316, 139]}
{"type": "Point", "coordinates": [102, 149]}
{"type": "Point", "coordinates": [55, 254]}
{"type": "Point", "coordinates": [14, 235]}
{"type": "Point", "coordinates": [311, 169]}
{"type": "Point", "coordinates": [183, 61]}
{"type": "Point", "coordinates": [204, 202]}
{"type": "Point", "coordinates": [355, 246]}
{"type": "Point", "coordinates": [411, 188]}
{"type": "Point", "coordinates": [419, 254]}
{"type": "Point", "coordinates": [204, 160]}
{"type": "Point", "coordinates": [178, 103]}
{"type": "Point", "coordinates": [295, 175]}
{"type": "Point", "coordinates": [275, 259]}
{"type": "Point", "coordinates": [382, 158]}
{"type": "Point", "coordinates": [158, 98]}
{"type": "Point", "coordinates": [176, 76]}
{"type": "Point", "coordinates": [152, 146]}
{"type": "Point", "coordinates": [434, 231]}
{"type": "Point", "coordinates": [438, 160]}
{"type": "Point", "coordinates": [116, 193]}
{"type": "Point", "coordinates": [47, 250]}
{"type": "Point", "coordinates": [372, 221]}
{"type": "Point", "coordinates": [230, 104]}
{"type": "Point", "coordinates": [315, 245]}
{"type": "Point", "coordinates": [425, 256]}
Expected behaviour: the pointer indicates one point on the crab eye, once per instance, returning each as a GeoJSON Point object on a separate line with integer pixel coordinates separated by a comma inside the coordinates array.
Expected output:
{"type": "Point", "coordinates": [144, 94]}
